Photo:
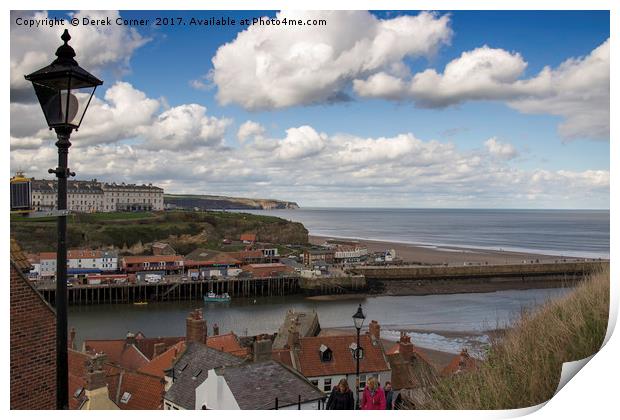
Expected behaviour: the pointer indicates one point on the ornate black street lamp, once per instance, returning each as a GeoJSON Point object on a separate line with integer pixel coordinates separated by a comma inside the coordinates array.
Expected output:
{"type": "Point", "coordinates": [358, 321]}
{"type": "Point", "coordinates": [64, 90]}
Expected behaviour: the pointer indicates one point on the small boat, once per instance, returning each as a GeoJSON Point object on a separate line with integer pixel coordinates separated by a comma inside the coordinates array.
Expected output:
{"type": "Point", "coordinates": [141, 302]}
{"type": "Point", "coordinates": [212, 297]}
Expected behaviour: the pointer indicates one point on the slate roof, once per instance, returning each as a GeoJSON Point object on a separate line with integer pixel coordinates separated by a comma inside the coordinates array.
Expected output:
{"type": "Point", "coordinates": [191, 370]}
{"type": "Point", "coordinates": [257, 385]}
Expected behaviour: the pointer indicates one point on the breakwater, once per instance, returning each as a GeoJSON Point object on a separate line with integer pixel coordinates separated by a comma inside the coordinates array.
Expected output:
{"type": "Point", "coordinates": [425, 280]}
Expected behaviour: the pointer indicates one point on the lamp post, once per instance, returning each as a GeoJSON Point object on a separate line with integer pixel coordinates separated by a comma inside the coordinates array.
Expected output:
{"type": "Point", "coordinates": [64, 91]}
{"type": "Point", "coordinates": [358, 321]}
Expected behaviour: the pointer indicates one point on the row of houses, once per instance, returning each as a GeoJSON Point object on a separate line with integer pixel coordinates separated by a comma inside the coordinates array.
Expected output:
{"type": "Point", "coordinates": [335, 252]}
{"type": "Point", "coordinates": [95, 196]}
{"type": "Point", "coordinates": [293, 370]}
{"type": "Point", "coordinates": [199, 264]}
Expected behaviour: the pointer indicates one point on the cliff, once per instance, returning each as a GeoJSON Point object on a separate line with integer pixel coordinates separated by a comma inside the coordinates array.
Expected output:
{"type": "Point", "coordinates": [216, 202]}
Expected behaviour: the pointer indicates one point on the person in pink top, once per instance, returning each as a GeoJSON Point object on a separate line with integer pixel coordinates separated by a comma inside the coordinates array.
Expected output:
{"type": "Point", "coordinates": [373, 397]}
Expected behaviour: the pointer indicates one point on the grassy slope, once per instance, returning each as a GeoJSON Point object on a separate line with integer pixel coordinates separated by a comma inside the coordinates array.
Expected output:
{"type": "Point", "coordinates": [119, 229]}
{"type": "Point", "coordinates": [523, 368]}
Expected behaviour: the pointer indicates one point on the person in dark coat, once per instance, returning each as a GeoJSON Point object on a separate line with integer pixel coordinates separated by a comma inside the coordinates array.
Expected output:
{"type": "Point", "coordinates": [389, 396]}
{"type": "Point", "coordinates": [341, 397]}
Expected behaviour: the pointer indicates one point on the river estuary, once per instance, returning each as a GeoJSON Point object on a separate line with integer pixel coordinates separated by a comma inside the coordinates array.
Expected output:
{"type": "Point", "coordinates": [440, 322]}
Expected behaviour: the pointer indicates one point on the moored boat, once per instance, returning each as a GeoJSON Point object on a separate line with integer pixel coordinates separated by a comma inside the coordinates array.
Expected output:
{"type": "Point", "coordinates": [212, 297]}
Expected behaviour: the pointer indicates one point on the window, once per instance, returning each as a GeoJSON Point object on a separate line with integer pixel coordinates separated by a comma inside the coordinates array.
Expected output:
{"type": "Point", "coordinates": [327, 385]}
{"type": "Point", "coordinates": [315, 382]}
{"type": "Point", "coordinates": [326, 353]}
{"type": "Point", "coordinates": [362, 382]}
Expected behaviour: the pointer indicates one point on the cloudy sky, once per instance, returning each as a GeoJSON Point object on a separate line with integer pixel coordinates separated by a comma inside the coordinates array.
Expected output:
{"type": "Point", "coordinates": [390, 109]}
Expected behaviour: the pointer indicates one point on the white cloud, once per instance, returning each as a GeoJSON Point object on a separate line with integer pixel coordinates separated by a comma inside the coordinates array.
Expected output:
{"type": "Point", "coordinates": [500, 149]}
{"type": "Point", "coordinates": [184, 127]}
{"type": "Point", "coordinates": [97, 47]}
{"type": "Point", "coordinates": [322, 169]}
{"type": "Point", "coordinates": [301, 142]}
{"type": "Point", "coordinates": [275, 67]}
{"type": "Point", "coordinates": [126, 113]}
{"type": "Point", "coordinates": [250, 129]}
{"type": "Point", "coordinates": [577, 90]}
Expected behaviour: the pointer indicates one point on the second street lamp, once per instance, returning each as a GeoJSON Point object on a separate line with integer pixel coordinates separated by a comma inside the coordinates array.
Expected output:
{"type": "Point", "coordinates": [358, 321]}
{"type": "Point", "coordinates": [64, 91]}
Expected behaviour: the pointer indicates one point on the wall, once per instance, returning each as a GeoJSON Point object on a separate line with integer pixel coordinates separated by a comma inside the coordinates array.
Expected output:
{"type": "Point", "coordinates": [32, 347]}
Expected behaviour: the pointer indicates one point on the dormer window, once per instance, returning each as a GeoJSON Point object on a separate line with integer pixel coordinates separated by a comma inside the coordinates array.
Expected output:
{"type": "Point", "coordinates": [326, 353]}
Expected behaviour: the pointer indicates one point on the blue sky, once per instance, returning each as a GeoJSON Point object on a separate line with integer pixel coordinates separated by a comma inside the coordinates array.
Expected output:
{"type": "Point", "coordinates": [496, 131]}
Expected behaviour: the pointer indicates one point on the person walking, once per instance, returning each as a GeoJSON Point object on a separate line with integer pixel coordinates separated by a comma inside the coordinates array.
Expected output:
{"type": "Point", "coordinates": [373, 397]}
{"type": "Point", "coordinates": [389, 396]}
{"type": "Point", "coordinates": [341, 397]}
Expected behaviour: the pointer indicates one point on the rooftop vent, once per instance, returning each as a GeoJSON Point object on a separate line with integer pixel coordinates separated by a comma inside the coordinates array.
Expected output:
{"type": "Point", "coordinates": [78, 392]}
{"type": "Point", "coordinates": [125, 398]}
{"type": "Point", "coordinates": [197, 373]}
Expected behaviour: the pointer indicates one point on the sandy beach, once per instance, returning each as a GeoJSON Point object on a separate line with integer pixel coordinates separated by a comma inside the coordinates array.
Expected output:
{"type": "Point", "coordinates": [448, 254]}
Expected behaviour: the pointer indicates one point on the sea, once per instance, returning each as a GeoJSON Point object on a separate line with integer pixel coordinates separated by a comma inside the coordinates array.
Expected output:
{"type": "Point", "coordinates": [570, 233]}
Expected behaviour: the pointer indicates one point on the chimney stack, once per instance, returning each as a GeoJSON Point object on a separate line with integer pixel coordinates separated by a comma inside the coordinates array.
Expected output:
{"type": "Point", "coordinates": [130, 338]}
{"type": "Point", "coordinates": [195, 327]}
{"type": "Point", "coordinates": [293, 338]}
{"type": "Point", "coordinates": [405, 348]}
{"type": "Point", "coordinates": [262, 349]}
{"type": "Point", "coordinates": [95, 377]}
{"type": "Point", "coordinates": [216, 329]}
{"type": "Point", "coordinates": [374, 329]}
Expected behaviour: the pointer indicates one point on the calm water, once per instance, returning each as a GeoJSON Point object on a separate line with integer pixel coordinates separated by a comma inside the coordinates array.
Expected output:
{"type": "Point", "coordinates": [472, 312]}
{"type": "Point", "coordinates": [581, 233]}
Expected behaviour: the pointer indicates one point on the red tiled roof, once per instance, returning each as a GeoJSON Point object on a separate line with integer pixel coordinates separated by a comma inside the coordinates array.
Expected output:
{"type": "Point", "coordinates": [151, 258]}
{"type": "Point", "coordinates": [248, 237]}
{"type": "Point", "coordinates": [395, 349]}
{"type": "Point", "coordinates": [228, 343]}
{"type": "Point", "coordinates": [83, 253]}
{"type": "Point", "coordinates": [461, 363]}
{"type": "Point", "coordinates": [78, 363]}
{"type": "Point", "coordinates": [164, 361]}
{"type": "Point", "coordinates": [145, 391]}
{"type": "Point", "coordinates": [342, 362]}
{"type": "Point", "coordinates": [47, 255]}
{"type": "Point", "coordinates": [118, 352]}
{"type": "Point", "coordinates": [146, 345]}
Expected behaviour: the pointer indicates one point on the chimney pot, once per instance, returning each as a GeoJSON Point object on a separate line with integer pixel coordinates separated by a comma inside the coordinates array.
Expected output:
{"type": "Point", "coordinates": [216, 329]}
{"type": "Point", "coordinates": [405, 348]}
